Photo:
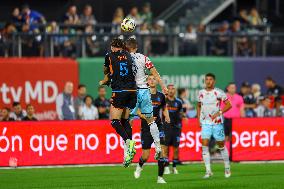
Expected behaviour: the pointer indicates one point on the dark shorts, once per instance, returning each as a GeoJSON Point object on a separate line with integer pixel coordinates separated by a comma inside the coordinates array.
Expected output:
{"type": "Point", "coordinates": [228, 127]}
{"type": "Point", "coordinates": [124, 99]}
{"type": "Point", "coordinates": [146, 137]}
{"type": "Point", "coordinates": [172, 135]}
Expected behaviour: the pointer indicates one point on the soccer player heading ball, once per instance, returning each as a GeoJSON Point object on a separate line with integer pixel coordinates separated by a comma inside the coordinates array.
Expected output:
{"type": "Point", "coordinates": [118, 70]}
{"type": "Point", "coordinates": [211, 120]}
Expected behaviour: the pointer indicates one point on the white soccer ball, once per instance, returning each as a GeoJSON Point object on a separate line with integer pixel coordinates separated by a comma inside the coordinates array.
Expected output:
{"type": "Point", "coordinates": [128, 25]}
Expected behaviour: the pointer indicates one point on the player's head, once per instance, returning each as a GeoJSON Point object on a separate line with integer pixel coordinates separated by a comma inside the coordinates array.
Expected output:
{"type": "Point", "coordinates": [152, 82]}
{"type": "Point", "coordinates": [210, 80]}
{"type": "Point", "coordinates": [269, 82]}
{"type": "Point", "coordinates": [116, 44]}
{"type": "Point", "coordinates": [232, 88]}
{"type": "Point", "coordinates": [171, 90]}
{"type": "Point", "coordinates": [131, 44]}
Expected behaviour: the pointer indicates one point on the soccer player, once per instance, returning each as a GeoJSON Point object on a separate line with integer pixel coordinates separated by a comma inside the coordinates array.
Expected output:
{"type": "Point", "coordinates": [173, 130]}
{"type": "Point", "coordinates": [118, 70]}
{"type": "Point", "coordinates": [210, 117]}
{"type": "Point", "coordinates": [144, 102]}
{"type": "Point", "coordinates": [159, 104]}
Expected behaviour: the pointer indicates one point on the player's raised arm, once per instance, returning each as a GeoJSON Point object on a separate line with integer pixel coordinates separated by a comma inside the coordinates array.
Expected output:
{"type": "Point", "coordinates": [106, 71]}
{"type": "Point", "coordinates": [157, 76]}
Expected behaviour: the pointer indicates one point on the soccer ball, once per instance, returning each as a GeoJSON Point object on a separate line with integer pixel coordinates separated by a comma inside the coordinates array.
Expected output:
{"type": "Point", "coordinates": [128, 25]}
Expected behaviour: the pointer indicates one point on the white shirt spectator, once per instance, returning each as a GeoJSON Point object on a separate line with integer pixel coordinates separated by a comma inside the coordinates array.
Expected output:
{"type": "Point", "coordinates": [88, 113]}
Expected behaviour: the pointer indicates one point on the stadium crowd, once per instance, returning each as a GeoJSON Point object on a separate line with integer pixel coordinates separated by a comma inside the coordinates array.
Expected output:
{"type": "Point", "coordinates": [33, 25]}
{"type": "Point", "coordinates": [249, 102]}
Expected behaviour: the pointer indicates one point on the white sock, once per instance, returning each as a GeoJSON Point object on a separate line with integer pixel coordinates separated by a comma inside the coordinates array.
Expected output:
{"type": "Point", "coordinates": [225, 156]}
{"type": "Point", "coordinates": [155, 132]}
{"type": "Point", "coordinates": [206, 158]}
{"type": "Point", "coordinates": [125, 148]}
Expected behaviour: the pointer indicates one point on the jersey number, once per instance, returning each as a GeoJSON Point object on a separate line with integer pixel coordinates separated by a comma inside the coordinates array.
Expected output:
{"type": "Point", "coordinates": [123, 69]}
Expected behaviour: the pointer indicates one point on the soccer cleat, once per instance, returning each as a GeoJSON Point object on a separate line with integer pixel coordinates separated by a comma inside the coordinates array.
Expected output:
{"type": "Point", "coordinates": [167, 171]}
{"type": "Point", "coordinates": [137, 172]}
{"type": "Point", "coordinates": [227, 173]}
{"type": "Point", "coordinates": [158, 151]}
{"type": "Point", "coordinates": [208, 174]}
{"type": "Point", "coordinates": [175, 171]}
{"type": "Point", "coordinates": [130, 153]}
{"type": "Point", "coordinates": [161, 180]}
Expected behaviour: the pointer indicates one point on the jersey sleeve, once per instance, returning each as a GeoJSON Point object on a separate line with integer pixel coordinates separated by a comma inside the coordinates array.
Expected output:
{"type": "Point", "coordinates": [222, 95]}
{"type": "Point", "coordinates": [148, 63]}
{"type": "Point", "coordinates": [200, 96]}
{"type": "Point", "coordinates": [107, 61]}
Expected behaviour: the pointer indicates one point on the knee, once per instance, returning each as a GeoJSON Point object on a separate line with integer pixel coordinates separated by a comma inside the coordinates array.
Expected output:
{"type": "Point", "coordinates": [115, 123]}
{"type": "Point", "coordinates": [220, 145]}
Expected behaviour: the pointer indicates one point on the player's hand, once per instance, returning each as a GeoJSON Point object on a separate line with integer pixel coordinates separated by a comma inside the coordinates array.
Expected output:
{"type": "Point", "coordinates": [167, 120]}
{"type": "Point", "coordinates": [214, 116]}
{"type": "Point", "coordinates": [165, 90]}
{"type": "Point", "coordinates": [101, 82]}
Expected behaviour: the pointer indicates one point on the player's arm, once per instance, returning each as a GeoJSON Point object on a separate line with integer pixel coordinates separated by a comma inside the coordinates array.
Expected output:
{"type": "Point", "coordinates": [198, 109]}
{"type": "Point", "coordinates": [226, 108]}
{"type": "Point", "coordinates": [106, 71]}
{"type": "Point", "coordinates": [166, 114]}
{"type": "Point", "coordinates": [157, 76]}
{"type": "Point", "coordinates": [139, 113]}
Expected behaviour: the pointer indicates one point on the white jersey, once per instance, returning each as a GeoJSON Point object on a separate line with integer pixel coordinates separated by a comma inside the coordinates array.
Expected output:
{"type": "Point", "coordinates": [210, 104]}
{"type": "Point", "coordinates": [142, 63]}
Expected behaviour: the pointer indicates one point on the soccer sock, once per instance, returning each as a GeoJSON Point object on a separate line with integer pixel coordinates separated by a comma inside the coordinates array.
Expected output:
{"type": "Point", "coordinates": [141, 162]}
{"type": "Point", "coordinates": [116, 124]}
{"type": "Point", "coordinates": [125, 123]}
{"type": "Point", "coordinates": [161, 166]}
{"type": "Point", "coordinates": [206, 158]}
{"type": "Point", "coordinates": [154, 132]}
{"type": "Point", "coordinates": [175, 161]}
{"type": "Point", "coordinates": [225, 156]}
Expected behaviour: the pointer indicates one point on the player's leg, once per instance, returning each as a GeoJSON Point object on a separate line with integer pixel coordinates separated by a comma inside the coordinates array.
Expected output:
{"type": "Point", "coordinates": [176, 141]}
{"type": "Point", "coordinates": [168, 143]}
{"type": "Point", "coordinates": [164, 155]}
{"type": "Point", "coordinates": [228, 134]}
{"type": "Point", "coordinates": [218, 133]}
{"type": "Point", "coordinates": [115, 114]}
{"type": "Point", "coordinates": [146, 108]}
{"type": "Point", "coordinates": [206, 133]}
{"type": "Point", "coordinates": [146, 142]}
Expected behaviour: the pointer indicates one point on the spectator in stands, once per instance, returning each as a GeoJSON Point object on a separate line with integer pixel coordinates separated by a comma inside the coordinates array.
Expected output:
{"type": "Point", "coordinates": [188, 109]}
{"type": "Point", "coordinates": [30, 113]}
{"type": "Point", "coordinates": [159, 44]}
{"type": "Point", "coordinates": [65, 103]}
{"type": "Point", "coordinates": [243, 16]}
{"type": "Point", "coordinates": [92, 46]}
{"type": "Point", "coordinates": [6, 115]}
{"type": "Point", "coordinates": [71, 16]}
{"type": "Point", "coordinates": [146, 14]}
{"type": "Point", "coordinates": [102, 103]}
{"type": "Point", "coordinates": [273, 89]}
{"type": "Point", "coordinates": [190, 41]}
{"type": "Point", "coordinates": [67, 45]}
{"type": "Point", "coordinates": [118, 16]}
{"type": "Point", "coordinates": [254, 18]}
{"type": "Point", "coordinates": [6, 39]}
{"type": "Point", "coordinates": [16, 17]}
{"type": "Point", "coordinates": [79, 100]}
{"type": "Point", "coordinates": [32, 17]}
{"type": "Point", "coordinates": [135, 15]}
{"type": "Point", "coordinates": [249, 100]}
{"type": "Point", "coordinates": [220, 46]}
{"type": "Point", "coordinates": [236, 111]}
{"type": "Point", "coordinates": [87, 17]}
{"type": "Point", "coordinates": [88, 111]}
{"type": "Point", "coordinates": [278, 107]}
{"type": "Point", "coordinates": [144, 29]}
{"type": "Point", "coordinates": [31, 44]}
{"type": "Point", "coordinates": [256, 90]}
{"type": "Point", "coordinates": [18, 113]}
{"type": "Point", "coordinates": [264, 109]}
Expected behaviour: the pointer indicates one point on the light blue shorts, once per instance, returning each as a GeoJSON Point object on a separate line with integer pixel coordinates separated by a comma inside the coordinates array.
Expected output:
{"type": "Point", "coordinates": [217, 131]}
{"type": "Point", "coordinates": [144, 103]}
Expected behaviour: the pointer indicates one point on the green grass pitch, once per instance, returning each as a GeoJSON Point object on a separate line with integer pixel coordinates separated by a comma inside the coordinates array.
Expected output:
{"type": "Point", "coordinates": [249, 176]}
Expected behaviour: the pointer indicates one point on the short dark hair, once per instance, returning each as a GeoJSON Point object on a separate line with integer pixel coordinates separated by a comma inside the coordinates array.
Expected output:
{"type": "Point", "coordinates": [81, 86]}
{"type": "Point", "coordinates": [117, 42]}
{"type": "Point", "coordinates": [15, 104]}
{"type": "Point", "coordinates": [269, 78]}
{"type": "Point", "coordinates": [210, 75]}
{"type": "Point", "coordinates": [88, 96]}
{"type": "Point", "coordinates": [29, 105]}
{"type": "Point", "coordinates": [131, 43]}
{"type": "Point", "coordinates": [181, 90]}
{"type": "Point", "coordinates": [101, 87]}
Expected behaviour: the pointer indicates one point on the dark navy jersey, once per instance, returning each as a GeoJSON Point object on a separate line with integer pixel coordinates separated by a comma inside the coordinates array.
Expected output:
{"type": "Point", "coordinates": [158, 102]}
{"type": "Point", "coordinates": [175, 111]}
{"type": "Point", "coordinates": [121, 67]}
